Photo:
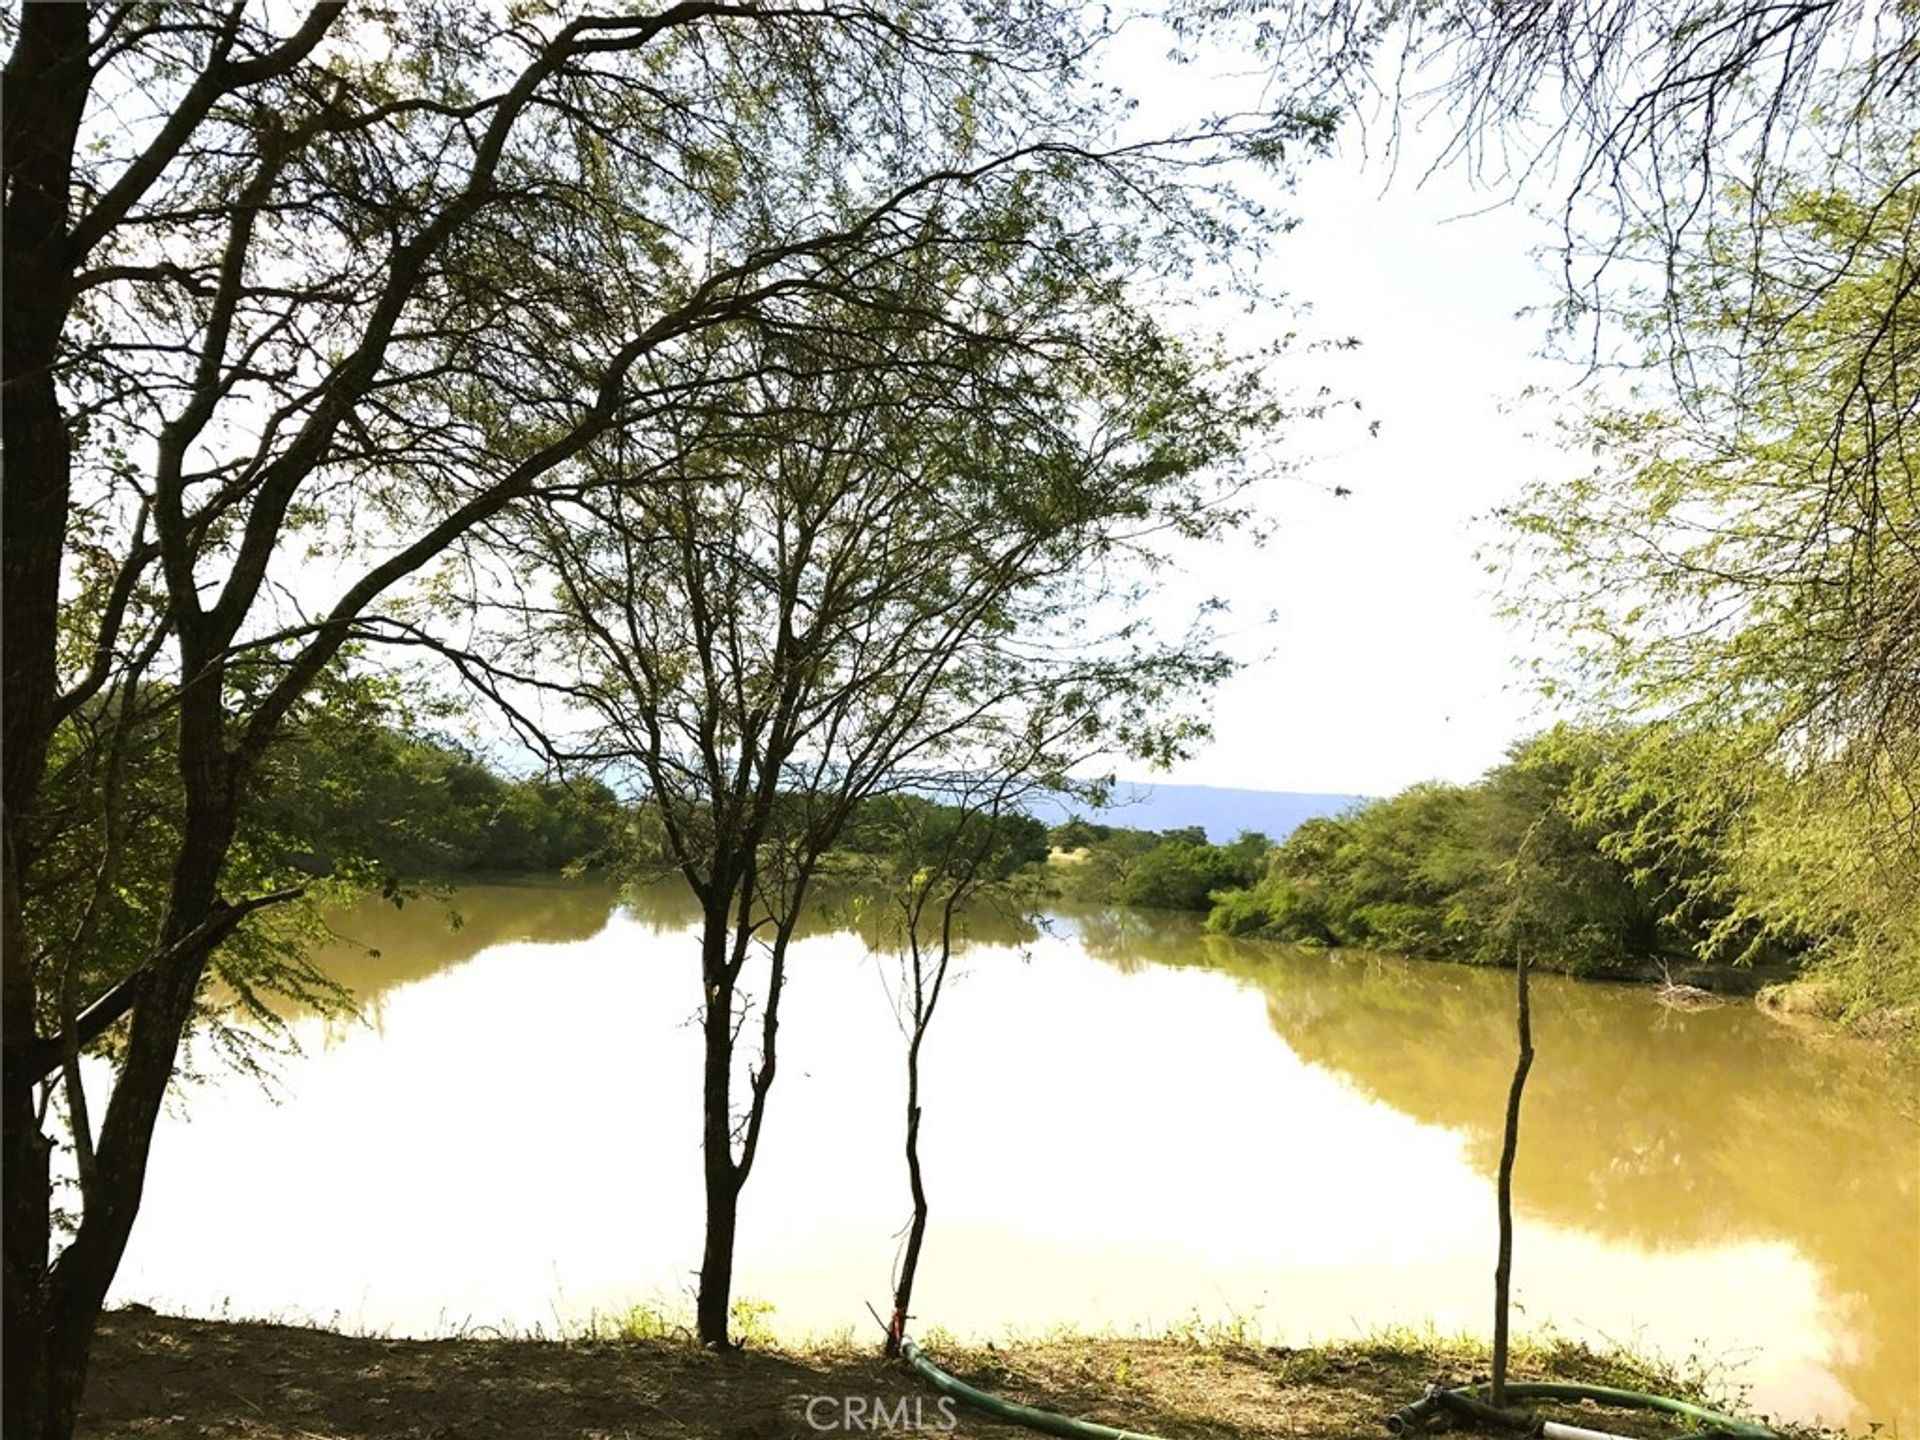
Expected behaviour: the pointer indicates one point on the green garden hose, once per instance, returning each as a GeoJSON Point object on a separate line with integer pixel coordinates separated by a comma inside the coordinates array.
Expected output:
{"type": "Point", "coordinates": [1404, 1421]}
{"type": "Point", "coordinates": [1407, 1419]}
{"type": "Point", "coordinates": [1044, 1420]}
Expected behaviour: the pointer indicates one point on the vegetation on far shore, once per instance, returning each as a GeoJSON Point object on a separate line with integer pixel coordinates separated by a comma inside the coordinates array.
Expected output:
{"type": "Point", "coordinates": [1606, 853]}
{"type": "Point", "coordinates": [395, 805]}
{"type": "Point", "coordinates": [1616, 853]}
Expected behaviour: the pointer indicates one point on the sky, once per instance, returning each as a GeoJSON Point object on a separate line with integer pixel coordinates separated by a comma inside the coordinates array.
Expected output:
{"type": "Point", "coordinates": [1388, 664]}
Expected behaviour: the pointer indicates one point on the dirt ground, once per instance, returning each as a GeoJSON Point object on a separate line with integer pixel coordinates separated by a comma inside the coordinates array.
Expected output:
{"type": "Point", "coordinates": [155, 1376]}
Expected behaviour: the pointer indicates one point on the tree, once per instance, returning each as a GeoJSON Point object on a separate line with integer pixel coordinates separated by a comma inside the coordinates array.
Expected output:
{"type": "Point", "coordinates": [1103, 870]}
{"type": "Point", "coordinates": [1659, 122]}
{"type": "Point", "coordinates": [261, 339]}
{"type": "Point", "coordinates": [1182, 875]}
{"type": "Point", "coordinates": [1738, 218]}
{"type": "Point", "coordinates": [878, 829]}
{"type": "Point", "coordinates": [882, 553]}
{"type": "Point", "coordinates": [1743, 561]}
{"type": "Point", "coordinates": [938, 860]}
{"type": "Point", "coordinates": [1503, 1187]}
{"type": "Point", "coordinates": [1628, 847]}
{"type": "Point", "coordinates": [1078, 833]}
{"type": "Point", "coordinates": [1743, 555]}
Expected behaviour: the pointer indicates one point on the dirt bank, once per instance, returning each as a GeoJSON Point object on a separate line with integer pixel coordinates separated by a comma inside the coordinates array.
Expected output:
{"type": "Point", "coordinates": [157, 1376]}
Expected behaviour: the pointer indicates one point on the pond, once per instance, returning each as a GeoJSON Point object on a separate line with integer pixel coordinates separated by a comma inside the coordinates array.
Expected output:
{"type": "Point", "coordinates": [1128, 1124]}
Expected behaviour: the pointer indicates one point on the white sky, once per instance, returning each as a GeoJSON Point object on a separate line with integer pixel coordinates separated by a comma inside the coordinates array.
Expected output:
{"type": "Point", "coordinates": [1388, 664]}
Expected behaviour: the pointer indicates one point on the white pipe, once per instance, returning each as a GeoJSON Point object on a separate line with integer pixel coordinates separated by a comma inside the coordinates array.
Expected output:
{"type": "Point", "coordinates": [1554, 1430]}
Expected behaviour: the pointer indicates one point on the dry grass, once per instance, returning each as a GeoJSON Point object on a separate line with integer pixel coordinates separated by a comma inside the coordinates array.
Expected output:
{"type": "Point", "coordinates": [157, 1376]}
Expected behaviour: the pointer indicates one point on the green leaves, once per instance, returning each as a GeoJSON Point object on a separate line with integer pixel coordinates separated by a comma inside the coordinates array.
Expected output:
{"type": "Point", "coordinates": [1579, 850]}
{"type": "Point", "coordinates": [1741, 565]}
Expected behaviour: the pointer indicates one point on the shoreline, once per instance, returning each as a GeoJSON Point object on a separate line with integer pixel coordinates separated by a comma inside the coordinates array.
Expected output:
{"type": "Point", "coordinates": [1798, 1000]}
{"type": "Point", "coordinates": [1802, 1001]}
{"type": "Point", "coordinates": [153, 1373]}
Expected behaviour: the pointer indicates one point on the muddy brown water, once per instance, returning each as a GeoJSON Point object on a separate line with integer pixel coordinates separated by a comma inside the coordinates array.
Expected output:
{"type": "Point", "coordinates": [1129, 1124]}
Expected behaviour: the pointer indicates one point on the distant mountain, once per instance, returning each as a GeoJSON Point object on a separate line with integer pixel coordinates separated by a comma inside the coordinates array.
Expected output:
{"type": "Point", "coordinates": [1222, 813]}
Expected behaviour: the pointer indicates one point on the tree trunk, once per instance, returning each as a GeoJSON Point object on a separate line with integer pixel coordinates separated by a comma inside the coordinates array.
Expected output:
{"type": "Point", "coordinates": [50, 1326]}
{"type": "Point", "coordinates": [724, 949]}
{"type": "Point", "coordinates": [65, 1307]}
{"type": "Point", "coordinates": [84, 1272]}
{"type": "Point", "coordinates": [714, 1305]}
{"type": "Point", "coordinates": [925, 993]}
{"type": "Point", "coordinates": [723, 1177]}
{"type": "Point", "coordinates": [27, 1241]}
{"type": "Point", "coordinates": [917, 1230]}
{"type": "Point", "coordinates": [43, 97]}
{"type": "Point", "coordinates": [78, 1281]}
{"type": "Point", "coordinates": [1509, 1147]}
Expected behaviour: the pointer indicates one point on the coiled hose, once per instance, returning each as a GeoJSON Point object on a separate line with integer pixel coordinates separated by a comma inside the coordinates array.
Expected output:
{"type": "Point", "coordinates": [1463, 1401]}
{"type": "Point", "coordinates": [1466, 1402]}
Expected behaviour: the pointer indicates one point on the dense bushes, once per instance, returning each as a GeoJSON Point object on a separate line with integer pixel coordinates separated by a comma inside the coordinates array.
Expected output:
{"type": "Point", "coordinates": [917, 829]}
{"type": "Point", "coordinates": [361, 794]}
{"type": "Point", "coordinates": [1550, 852]}
{"type": "Point", "coordinates": [1184, 875]}
{"type": "Point", "coordinates": [349, 791]}
{"type": "Point", "coordinates": [1164, 870]}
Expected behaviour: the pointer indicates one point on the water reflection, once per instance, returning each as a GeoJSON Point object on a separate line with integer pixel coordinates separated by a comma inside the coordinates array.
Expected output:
{"type": "Point", "coordinates": [1670, 1130]}
{"type": "Point", "coordinates": [378, 945]}
{"type": "Point", "coordinates": [1114, 1138]}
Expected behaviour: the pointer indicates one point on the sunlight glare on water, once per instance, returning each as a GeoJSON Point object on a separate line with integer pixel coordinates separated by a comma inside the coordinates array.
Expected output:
{"type": "Point", "coordinates": [1128, 1123]}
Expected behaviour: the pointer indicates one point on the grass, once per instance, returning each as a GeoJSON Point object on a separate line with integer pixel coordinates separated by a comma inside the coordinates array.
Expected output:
{"type": "Point", "coordinates": [640, 1374]}
{"type": "Point", "coordinates": [752, 1325]}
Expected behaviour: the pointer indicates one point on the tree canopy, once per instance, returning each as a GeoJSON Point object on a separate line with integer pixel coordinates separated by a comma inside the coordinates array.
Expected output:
{"type": "Point", "coordinates": [877, 553]}
{"type": "Point", "coordinates": [294, 303]}
{"type": "Point", "coordinates": [1549, 855]}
